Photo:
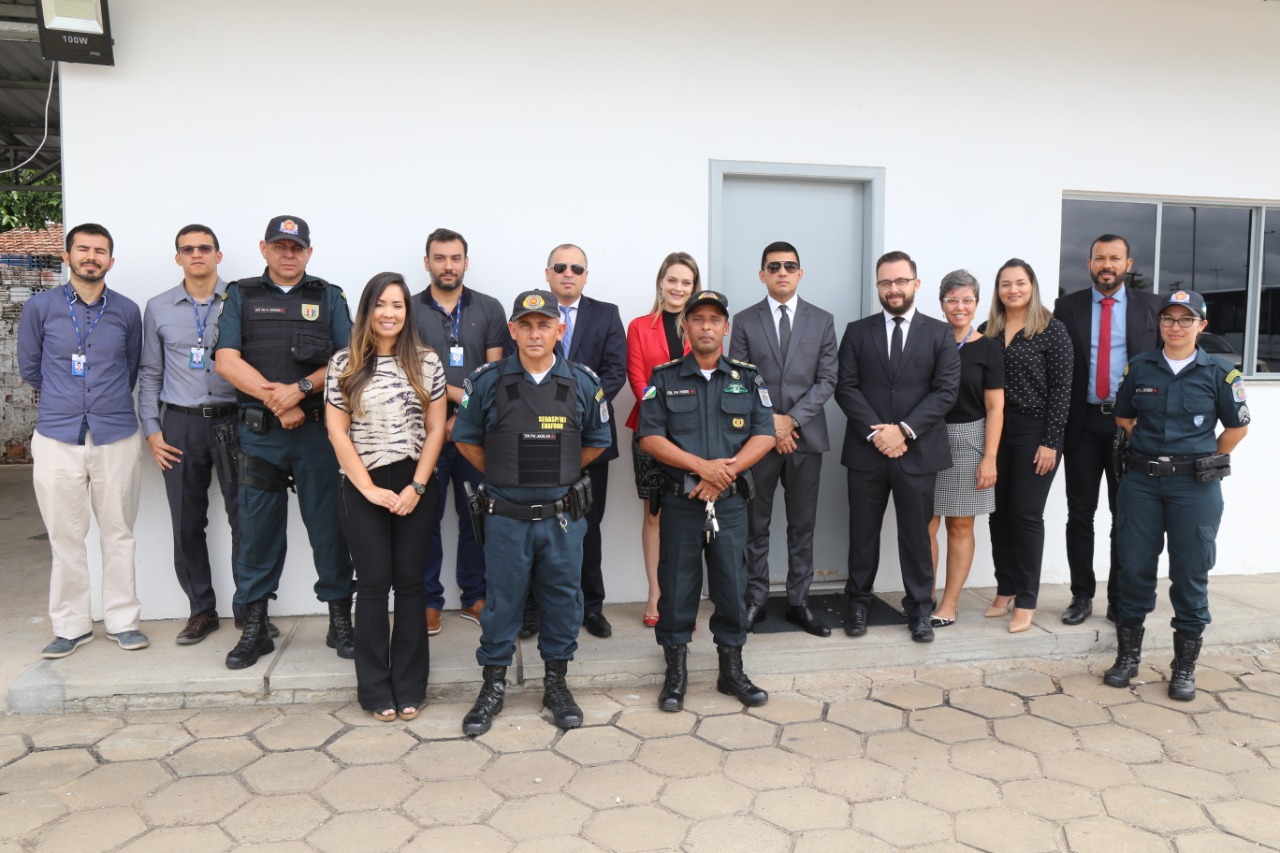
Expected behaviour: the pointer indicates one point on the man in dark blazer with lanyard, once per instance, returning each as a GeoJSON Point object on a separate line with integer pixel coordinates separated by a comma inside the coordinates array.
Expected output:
{"type": "Point", "coordinates": [895, 388]}
{"type": "Point", "coordinates": [800, 380]}
{"type": "Point", "coordinates": [593, 337]}
{"type": "Point", "coordinates": [1109, 324]}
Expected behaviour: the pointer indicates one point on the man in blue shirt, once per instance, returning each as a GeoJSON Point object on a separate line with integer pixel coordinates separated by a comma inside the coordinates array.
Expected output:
{"type": "Point", "coordinates": [79, 345]}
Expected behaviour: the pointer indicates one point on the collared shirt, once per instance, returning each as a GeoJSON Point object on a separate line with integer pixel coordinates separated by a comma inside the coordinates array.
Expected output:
{"type": "Point", "coordinates": [170, 329]}
{"type": "Point", "coordinates": [774, 305]}
{"type": "Point", "coordinates": [906, 326]}
{"type": "Point", "coordinates": [1178, 414]}
{"type": "Point", "coordinates": [1119, 341]}
{"type": "Point", "coordinates": [481, 325]}
{"type": "Point", "coordinates": [103, 397]}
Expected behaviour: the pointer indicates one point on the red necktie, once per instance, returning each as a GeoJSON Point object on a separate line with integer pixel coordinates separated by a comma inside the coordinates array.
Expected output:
{"type": "Point", "coordinates": [1103, 385]}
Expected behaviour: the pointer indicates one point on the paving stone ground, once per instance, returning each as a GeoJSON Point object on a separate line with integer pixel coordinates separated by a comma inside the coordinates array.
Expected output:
{"type": "Point", "coordinates": [1033, 756]}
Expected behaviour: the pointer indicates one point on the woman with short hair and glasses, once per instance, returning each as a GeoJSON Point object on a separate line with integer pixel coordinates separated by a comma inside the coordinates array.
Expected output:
{"type": "Point", "coordinates": [1037, 371]}
{"type": "Point", "coordinates": [974, 424]}
{"type": "Point", "coordinates": [652, 339]}
{"type": "Point", "coordinates": [385, 414]}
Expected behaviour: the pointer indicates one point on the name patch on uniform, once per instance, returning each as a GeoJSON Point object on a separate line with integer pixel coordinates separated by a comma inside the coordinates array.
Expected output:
{"type": "Point", "coordinates": [310, 312]}
{"type": "Point", "coordinates": [269, 309]}
{"type": "Point", "coordinates": [682, 392]}
{"type": "Point", "coordinates": [764, 398]}
{"type": "Point", "coordinates": [735, 388]}
{"type": "Point", "coordinates": [552, 421]}
{"type": "Point", "coordinates": [1146, 389]}
{"type": "Point", "coordinates": [649, 393]}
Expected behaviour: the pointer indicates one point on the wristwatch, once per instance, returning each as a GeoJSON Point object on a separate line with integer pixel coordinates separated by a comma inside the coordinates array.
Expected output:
{"type": "Point", "coordinates": [306, 386]}
{"type": "Point", "coordinates": [795, 424]}
{"type": "Point", "coordinates": [420, 488]}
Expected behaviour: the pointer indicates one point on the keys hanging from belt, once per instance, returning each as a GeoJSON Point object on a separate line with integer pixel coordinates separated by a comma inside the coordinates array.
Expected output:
{"type": "Point", "coordinates": [710, 527]}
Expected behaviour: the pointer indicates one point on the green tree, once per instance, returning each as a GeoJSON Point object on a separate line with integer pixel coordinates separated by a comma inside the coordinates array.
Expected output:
{"type": "Point", "coordinates": [30, 209]}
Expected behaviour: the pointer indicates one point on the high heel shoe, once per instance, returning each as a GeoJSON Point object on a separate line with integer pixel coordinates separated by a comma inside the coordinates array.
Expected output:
{"type": "Point", "coordinates": [996, 610]}
{"type": "Point", "coordinates": [1021, 620]}
{"type": "Point", "coordinates": [384, 715]}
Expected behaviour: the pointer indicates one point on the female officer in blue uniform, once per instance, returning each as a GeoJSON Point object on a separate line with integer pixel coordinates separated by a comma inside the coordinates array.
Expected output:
{"type": "Point", "coordinates": [1169, 405]}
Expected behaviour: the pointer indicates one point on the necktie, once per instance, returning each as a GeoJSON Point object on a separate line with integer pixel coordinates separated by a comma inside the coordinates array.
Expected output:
{"type": "Point", "coordinates": [895, 344]}
{"type": "Point", "coordinates": [784, 331]}
{"type": "Point", "coordinates": [1103, 385]}
{"type": "Point", "coordinates": [568, 328]}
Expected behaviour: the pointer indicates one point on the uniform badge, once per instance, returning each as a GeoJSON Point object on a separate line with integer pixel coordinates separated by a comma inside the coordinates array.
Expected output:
{"type": "Point", "coordinates": [599, 395]}
{"type": "Point", "coordinates": [533, 300]}
{"type": "Point", "coordinates": [1237, 390]}
{"type": "Point", "coordinates": [289, 227]}
{"type": "Point", "coordinates": [649, 393]}
{"type": "Point", "coordinates": [466, 398]}
{"type": "Point", "coordinates": [739, 423]}
{"type": "Point", "coordinates": [604, 413]}
{"type": "Point", "coordinates": [1243, 416]}
{"type": "Point", "coordinates": [310, 312]}
{"type": "Point", "coordinates": [735, 388]}
{"type": "Point", "coordinates": [764, 398]}
{"type": "Point", "coordinates": [1198, 420]}
{"type": "Point", "coordinates": [733, 374]}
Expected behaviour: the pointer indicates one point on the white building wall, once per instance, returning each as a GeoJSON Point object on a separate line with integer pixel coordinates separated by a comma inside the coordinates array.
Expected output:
{"type": "Point", "coordinates": [525, 125]}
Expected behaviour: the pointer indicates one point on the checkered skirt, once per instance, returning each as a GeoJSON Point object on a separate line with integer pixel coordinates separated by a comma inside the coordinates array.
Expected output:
{"type": "Point", "coordinates": [955, 493]}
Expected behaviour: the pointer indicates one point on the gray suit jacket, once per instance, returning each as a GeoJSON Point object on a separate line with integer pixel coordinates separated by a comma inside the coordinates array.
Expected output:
{"type": "Point", "coordinates": [801, 385]}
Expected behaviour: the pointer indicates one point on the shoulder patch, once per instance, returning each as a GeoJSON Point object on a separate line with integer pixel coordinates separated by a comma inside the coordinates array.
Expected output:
{"type": "Point", "coordinates": [649, 393]}
{"type": "Point", "coordinates": [1232, 376]}
{"type": "Point", "coordinates": [745, 364]}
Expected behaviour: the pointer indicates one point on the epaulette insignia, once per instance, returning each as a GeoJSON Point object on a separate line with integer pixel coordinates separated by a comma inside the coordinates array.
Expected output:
{"type": "Point", "coordinates": [1233, 376]}
{"type": "Point", "coordinates": [668, 363]}
{"type": "Point", "coordinates": [745, 364]}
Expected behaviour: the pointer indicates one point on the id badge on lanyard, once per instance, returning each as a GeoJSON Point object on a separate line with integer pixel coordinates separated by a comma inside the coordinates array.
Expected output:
{"type": "Point", "coordinates": [196, 360]}
{"type": "Point", "coordinates": [455, 356]}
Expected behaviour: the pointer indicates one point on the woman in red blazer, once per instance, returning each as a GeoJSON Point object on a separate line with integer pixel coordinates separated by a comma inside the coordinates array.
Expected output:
{"type": "Point", "coordinates": [654, 339]}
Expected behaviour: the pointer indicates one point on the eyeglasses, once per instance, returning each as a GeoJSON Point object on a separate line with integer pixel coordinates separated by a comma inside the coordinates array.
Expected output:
{"type": "Point", "coordinates": [1182, 322]}
{"type": "Point", "coordinates": [202, 249]}
{"type": "Point", "coordinates": [885, 284]}
{"type": "Point", "coordinates": [959, 300]}
{"type": "Point", "coordinates": [578, 269]}
{"type": "Point", "coordinates": [789, 266]}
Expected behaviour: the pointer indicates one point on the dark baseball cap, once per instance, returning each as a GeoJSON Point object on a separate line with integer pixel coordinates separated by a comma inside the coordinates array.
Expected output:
{"type": "Point", "coordinates": [535, 302]}
{"type": "Point", "coordinates": [293, 228]}
{"type": "Point", "coordinates": [707, 297]}
{"type": "Point", "coordinates": [1188, 299]}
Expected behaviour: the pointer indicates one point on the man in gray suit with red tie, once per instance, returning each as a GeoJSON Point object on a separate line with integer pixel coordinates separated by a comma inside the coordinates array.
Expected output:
{"type": "Point", "coordinates": [793, 346]}
{"type": "Point", "coordinates": [1109, 324]}
{"type": "Point", "coordinates": [895, 387]}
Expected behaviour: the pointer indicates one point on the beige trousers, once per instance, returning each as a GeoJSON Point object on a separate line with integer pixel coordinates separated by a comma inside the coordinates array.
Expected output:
{"type": "Point", "coordinates": [69, 479]}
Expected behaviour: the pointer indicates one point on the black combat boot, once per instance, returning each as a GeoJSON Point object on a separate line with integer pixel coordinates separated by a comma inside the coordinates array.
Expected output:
{"type": "Point", "coordinates": [734, 682]}
{"type": "Point", "coordinates": [1128, 655]}
{"type": "Point", "coordinates": [1182, 681]}
{"type": "Point", "coordinates": [254, 641]}
{"type": "Point", "coordinates": [677, 679]}
{"type": "Point", "coordinates": [341, 638]}
{"type": "Point", "coordinates": [488, 704]}
{"type": "Point", "coordinates": [556, 697]}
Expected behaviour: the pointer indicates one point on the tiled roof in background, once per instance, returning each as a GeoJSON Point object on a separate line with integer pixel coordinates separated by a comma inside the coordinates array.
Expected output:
{"type": "Point", "coordinates": [24, 241]}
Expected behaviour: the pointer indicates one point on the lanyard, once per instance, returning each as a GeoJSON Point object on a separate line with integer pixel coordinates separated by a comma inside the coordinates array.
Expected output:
{"type": "Point", "coordinates": [90, 324]}
{"type": "Point", "coordinates": [964, 340]}
{"type": "Point", "coordinates": [201, 324]}
{"type": "Point", "coordinates": [455, 316]}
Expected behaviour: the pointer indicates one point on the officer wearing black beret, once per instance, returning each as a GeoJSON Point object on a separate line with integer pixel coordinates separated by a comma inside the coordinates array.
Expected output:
{"type": "Point", "coordinates": [1169, 405]}
{"type": "Point", "coordinates": [531, 422]}
{"type": "Point", "coordinates": [706, 419]}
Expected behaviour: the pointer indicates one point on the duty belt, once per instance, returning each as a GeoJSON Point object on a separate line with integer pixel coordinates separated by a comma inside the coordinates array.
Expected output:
{"type": "Point", "coordinates": [204, 411]}
{"type": "Point", "coordinates": [1162, 466]}
{"type": "Point", "coordinates": [528, 512]}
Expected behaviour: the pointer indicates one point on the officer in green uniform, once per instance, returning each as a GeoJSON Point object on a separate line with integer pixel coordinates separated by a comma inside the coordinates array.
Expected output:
{"type": "Point", "coordinates": [1169, 405]}
{"type": "Point", "coordinates": [706, 419]}
{"type": "Point", "coordinates": [276, 333]}
{"type": "Point", "coordinates": [531, 422]}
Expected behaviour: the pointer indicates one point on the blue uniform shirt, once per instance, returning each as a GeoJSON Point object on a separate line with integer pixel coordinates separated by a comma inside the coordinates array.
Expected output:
{"type": "Point", "coordinates": [477, 415]}
{"type": "Point", "coordinates": [103, 396]}
{"type": "Point", "coordinates": [1177, 415]}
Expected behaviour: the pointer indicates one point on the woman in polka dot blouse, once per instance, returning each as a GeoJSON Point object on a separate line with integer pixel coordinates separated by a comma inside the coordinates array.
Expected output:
{"type": "Point", "coordinates": [1037, 364]}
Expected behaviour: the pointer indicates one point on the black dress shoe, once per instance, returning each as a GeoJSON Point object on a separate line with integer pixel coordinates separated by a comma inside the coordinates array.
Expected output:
{"type": "Point", "coordinates": [1080, 609]}
{"type": "Point", "coordinates": [856, 626]}
{"type": "Point", "coordinates": [755, 615]}
{"type": "Point", "coordinates": [528, 627]}
{"type": "Point", "coordinates": [921, 630]}
{"type": "Point", "coordinates": [804, 617]}
{"type": "Point", "coordinates": [597, 625]}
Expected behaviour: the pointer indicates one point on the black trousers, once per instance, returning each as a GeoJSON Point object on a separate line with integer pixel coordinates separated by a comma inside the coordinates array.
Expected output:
{"type": "Point", "coordinates": [391, 662]}
{"type": "Point", "coordinates": [1017, 525]}
{"type": "Point", "coordinates": [683, 548]}
{"type": "Point", "coordinates": [592, 547]}
{"type": "Point", "coordinates": [913, 504]}
{"type": "Point", "coordinates": [186, 485]}
{"type": "Point", "coordinates": [1087, 461]}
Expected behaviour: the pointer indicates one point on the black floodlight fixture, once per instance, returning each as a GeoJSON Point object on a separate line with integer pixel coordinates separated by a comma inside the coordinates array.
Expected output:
{"type": "Point", "coordinates": [75, 31]}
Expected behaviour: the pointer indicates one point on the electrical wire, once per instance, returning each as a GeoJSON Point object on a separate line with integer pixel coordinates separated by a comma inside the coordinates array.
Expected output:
{"type": "Point", "coordinates": [48, 99]}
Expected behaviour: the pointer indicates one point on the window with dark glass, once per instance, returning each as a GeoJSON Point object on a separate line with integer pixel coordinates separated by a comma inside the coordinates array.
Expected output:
{"type": "Point", "coordinates": [1083, 221]}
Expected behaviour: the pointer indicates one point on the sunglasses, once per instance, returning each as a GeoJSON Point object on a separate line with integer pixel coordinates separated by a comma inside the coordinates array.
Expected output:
{"type": "Point", "coordinates": [203, 249]}
{"type": "Point", "coordinates": [789, 266]}
{"type": "Point", "coordinates": [578, 269]}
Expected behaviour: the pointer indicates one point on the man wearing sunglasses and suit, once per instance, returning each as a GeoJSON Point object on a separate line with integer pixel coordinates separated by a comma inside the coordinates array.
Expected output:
{"type": "Point", "coordinates": [593, 337]}
{"type": "Point", "coordinates": [793, 346]}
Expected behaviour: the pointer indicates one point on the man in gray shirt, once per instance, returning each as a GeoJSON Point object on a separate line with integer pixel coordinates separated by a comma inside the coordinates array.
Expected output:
{"type": "Point", "coordinates": [196, 433]}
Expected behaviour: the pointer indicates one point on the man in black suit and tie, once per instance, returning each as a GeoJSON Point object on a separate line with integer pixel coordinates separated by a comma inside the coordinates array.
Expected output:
{"type": "Point", "coordinates": [1109, 324]}
{"type": "Point", "coordinates": [793, 346]}
{"type": "Point", "coordinates": [593, 337]}
{"type": "Point", "coordinates": [898, 375]}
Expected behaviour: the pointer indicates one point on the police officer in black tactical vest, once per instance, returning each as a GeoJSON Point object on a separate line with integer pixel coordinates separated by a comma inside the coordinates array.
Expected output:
{"type": "Point", "coordinates": [706, 419]}
{"type": "Point", "coordinates": [276, 334]}
{"type": "Point", "coordinates": [531, 422]}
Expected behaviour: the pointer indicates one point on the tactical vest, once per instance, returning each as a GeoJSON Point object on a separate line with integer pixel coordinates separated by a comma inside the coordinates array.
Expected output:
{"type": "Point", "coordinates": [285, 336]}
{"type": "Point", "coordinates": [537, 440]}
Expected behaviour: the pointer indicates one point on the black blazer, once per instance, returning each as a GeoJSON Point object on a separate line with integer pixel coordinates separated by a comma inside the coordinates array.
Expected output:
{"type": "Point", "coordinates": [921, 392]}
{"type": "Point", "coordinates": [1142, 333]}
